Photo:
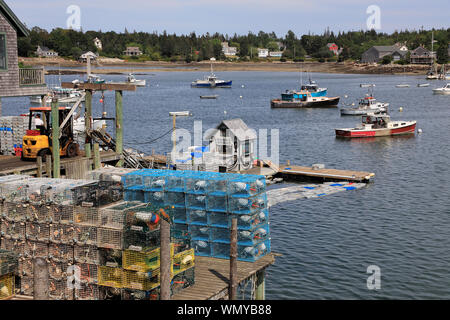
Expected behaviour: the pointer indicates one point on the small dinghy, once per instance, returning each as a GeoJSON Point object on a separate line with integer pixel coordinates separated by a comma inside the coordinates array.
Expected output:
{"type": "Point", "coordinates": [209, 97]}
{"type": "Point", "coordinates": [423, 85]}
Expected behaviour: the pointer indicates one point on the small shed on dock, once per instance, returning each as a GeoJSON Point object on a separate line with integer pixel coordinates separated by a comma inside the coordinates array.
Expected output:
{"type": "Point", "coordinates": [234, 144]}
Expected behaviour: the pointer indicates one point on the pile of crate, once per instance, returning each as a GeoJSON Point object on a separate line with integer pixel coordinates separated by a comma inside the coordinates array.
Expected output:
{"type": "Point", "coordinates": [132, 229]}
{"type": "Point", "coordinates": [88, 236]}
{"type": "Point", "coordinates": [12, 130]}
{"type": "Point", "coordinates": [204, 204]}
{"type": "Point", "coordinates": [8, 269]}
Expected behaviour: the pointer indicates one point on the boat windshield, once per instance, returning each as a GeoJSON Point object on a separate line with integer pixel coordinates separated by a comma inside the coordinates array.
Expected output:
{"type": "Point", "coordinates": [309, 87]}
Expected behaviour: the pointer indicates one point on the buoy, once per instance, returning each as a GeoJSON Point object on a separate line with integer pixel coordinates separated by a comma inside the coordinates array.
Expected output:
{"type": "Point", "coordinates": [419, 130]}
{"type": "Point", "coordinates": [400, 109]}
{"type": "Point", "coordinates": [345, 96]}
{"type": "Point", "coordinates": [243, 86]}
{"type": "Point", "coordinates": [240, 97]}
{"type": "Point", "coordinates": [101, 100]}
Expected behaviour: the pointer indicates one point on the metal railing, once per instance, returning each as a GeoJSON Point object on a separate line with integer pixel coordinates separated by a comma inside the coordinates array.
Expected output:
{"type": "Point", "coordinates": [31, 76]}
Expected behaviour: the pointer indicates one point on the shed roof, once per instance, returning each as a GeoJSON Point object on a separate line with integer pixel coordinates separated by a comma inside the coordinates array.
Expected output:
{"type": "Point", "coordinates": [239, 129]}
{"type": "Point", "coordinates": [21, 30]}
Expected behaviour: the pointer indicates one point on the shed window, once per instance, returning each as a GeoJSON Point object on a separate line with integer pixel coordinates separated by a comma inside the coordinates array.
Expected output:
{"type": "Point", "coordinates": [247, 148]}
{"type": "Point", "coordinates": [3, 53]}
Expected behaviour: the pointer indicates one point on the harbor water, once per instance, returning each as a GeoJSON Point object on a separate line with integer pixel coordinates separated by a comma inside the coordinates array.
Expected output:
{"type": "Point", "coordinates": [400, 223]}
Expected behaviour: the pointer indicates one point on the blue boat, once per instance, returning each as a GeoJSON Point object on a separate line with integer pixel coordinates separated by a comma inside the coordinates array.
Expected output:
{"type": "Point", "coordinates": [311, 87]}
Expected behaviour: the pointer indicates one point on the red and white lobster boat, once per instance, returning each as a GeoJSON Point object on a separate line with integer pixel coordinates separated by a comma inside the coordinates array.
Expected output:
{"type": "Point", "coordinates": [378, 125]}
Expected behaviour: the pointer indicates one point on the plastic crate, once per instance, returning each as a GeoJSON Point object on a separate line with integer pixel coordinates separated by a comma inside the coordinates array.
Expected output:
{"type": "Point", "coordinates": [183, 261]}
{"type": "Point", "coordinates": [196, 201]}
{"type": "Point", "coordinates": [110, 277]}
{"type": "Point", "coordinates": [37, 231]}
{"type": "Point", "coordinates": [197, 217]}
{"type": "Point", "coordinates": [202, 248]}
{"type": "Point", "coordinates": [217, 203]}
{"type": "Point", "coordinates": [7, 286]}
{"type": "Point", "coordinates": [199, 232]}
{"type": "Point", "coordinates": [249, 205]}
{"type": "Point", "coordinates": [141, 280]}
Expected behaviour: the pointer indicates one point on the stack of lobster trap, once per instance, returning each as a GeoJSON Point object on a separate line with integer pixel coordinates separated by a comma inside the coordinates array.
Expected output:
{"type": "Point", "coordinates": [8, 269]}
{"type": "Point", "coordinates": [204, 204]}
{"type": "Point", "coordinates": [96, 246]}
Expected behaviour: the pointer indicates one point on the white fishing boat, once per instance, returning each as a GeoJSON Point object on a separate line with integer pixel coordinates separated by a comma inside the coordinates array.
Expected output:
{"type": "Point", "coordinates": [444, 90]}
{"type": "Point", "coordinates": [131, 79]}
{"type": "Point", "coordinates": [367, 105]}
{"type": "Point", "coordinates": [63, 95]}
{"type": "Point", "coordinates": [421, 85]}
{"type": "Point", "coordinates": [402, 85]}
{"type": "Point", "coordinates": [366, 85]}
{"type": "Point", "coordinates": [211, 81]}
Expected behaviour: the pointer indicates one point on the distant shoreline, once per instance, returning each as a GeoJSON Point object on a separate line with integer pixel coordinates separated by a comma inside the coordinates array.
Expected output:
{"type": "Point", "coordinates": [120, 67]}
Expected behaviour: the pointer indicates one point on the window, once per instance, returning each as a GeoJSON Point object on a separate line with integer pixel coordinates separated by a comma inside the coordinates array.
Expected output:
{"type": "Point", "coordinates": [3, 53]}
{"type": "Point", "coordinates": [247, 148]}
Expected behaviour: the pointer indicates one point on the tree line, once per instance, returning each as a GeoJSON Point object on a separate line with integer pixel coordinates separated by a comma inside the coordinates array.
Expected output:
{"type": "Point", "coordinates": [193, 47]}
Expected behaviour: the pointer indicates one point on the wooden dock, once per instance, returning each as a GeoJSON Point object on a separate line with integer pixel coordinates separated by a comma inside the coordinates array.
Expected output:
{"type": "Point", "coordinates": [289, 172]}
{"type": "Point", "coordinates": [13, 164]}
{"type": "Point", "coordinates": [212, 277]}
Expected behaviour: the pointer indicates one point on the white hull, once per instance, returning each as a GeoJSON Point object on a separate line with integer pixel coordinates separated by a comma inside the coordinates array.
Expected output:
{"type": "Point", "coordinates": [402, 86]}
{"type": "Point", "coordinates": [139, 83]}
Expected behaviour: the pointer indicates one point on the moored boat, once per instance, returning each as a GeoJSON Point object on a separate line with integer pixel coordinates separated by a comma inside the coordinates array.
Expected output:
{"type": "Point", "coordinates": [306, 101]}
{"type": "Point", "coordinates": [444, 90]}
{"type": "Point", "coordinates": [211, 81]}
{"type": "Point", "coordinates": [209, 97]}
{"type": "Point", "coordinates": [366, 105]}
{"type": "Point", "coordinates": [420, 85]}
{"type": "Point", "coordinates": [131, 79]}
{"type": "Point", "coordinates": [377, 125]}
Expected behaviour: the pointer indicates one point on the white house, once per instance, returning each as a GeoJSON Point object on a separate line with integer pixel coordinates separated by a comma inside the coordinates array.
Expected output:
{"type": "Point", "coordinates": [263, 53]}
{"type": "Point", "coordinates": [277, 54]}
{"type": "Point", "coordinates": [228, 51]}
{"type": "Point", "coordinates": [45, 52]}
{"type": "Point", "coordinates": [98, 44]}
{"type": "Point", "coordinates": [233, 143]}
{"type": "Point", "coordinates": [84, 56]}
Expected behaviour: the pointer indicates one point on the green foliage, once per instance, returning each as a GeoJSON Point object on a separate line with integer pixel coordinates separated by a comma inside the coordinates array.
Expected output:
{"type": "Point", "coordinates": [386, 59]}
{"type": "Point", "coordinates": [442, 52]}
{"type": "Point", "coordinates": [164, 46]}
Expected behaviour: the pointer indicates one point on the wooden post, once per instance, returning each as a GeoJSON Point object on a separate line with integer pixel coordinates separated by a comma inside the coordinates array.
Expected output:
{"type": "Point", "coordinates": [39, 166]}
{"type": "Point", "coordinates": [96, 156]}
{"type": "Point", "coordinates": [0, 107]}
{"type": "Point", "coordinates": [232, 289]}
{"type": "Point", "coordinates": [40, 286]}
{"type": "Point", "coordinates": [165, 260]}
{"type": "Point", "coordinates": [87, 122]}
{"type": "Point", "coordinates": [55, 139]}
{"type": "Point", "coordinates": [119, 125]}
{"type": "Point", "coordinates": [260, 291]}
{"type": "Point", "coordinates": [48, 165]}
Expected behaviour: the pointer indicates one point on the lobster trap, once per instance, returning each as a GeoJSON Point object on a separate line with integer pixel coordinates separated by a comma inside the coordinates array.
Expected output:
{"type": "Point", "coordinates": [58, 289]}
{"type": "Point", "coordinates": [86, 254]}
{"type": "Point", "coordinates": [58, 270]}
{"type": "Point", "coordinates": [109, 238]}
{"type": "Point", "coordinates": [135, 238]}
{"type": "Point", "coordinates": [86, 216]}
{"type": "Point", "coordinates": [129, 294]}
{"type": "Point", "coordinates": [182, 280]}
{"type": "Point", "coordinates": [110, 277]}
{"type": "Point", "coordinates": [85, 235]}
{"type": "Point", "coordinates": [114, 216]}
{"type": "Point", "coordinates": [36, 249]}
{"type": "Point", "coordinates": [87, 291]}
{"type": "Point", "coordinates": [88, 272]}
{"type": "Point", "coordinates": [37, 231]}
{"type": "Point", "coordinates": [15, 212]}
{"type": "Point", "coordinates": [61, 252]}
{"type": "Point", "coordinates": [142, 261]}
{"type": "Point", "coordinates": [26, 267]}
{"type": "Point", "coordinates": [16, 246]}
{"type": "Point", "coordinates": [183, 261]}
{"type": "Point", "coordinates": [61, 214]}
{"type": "Point", "coordinates": [62, 233]}
{"type": "Point", "coordinates": [7, 286]}
{"type": "Point", "coordinates": [13, 230]}
{"type": "Point", "coordinates": [26, 285]}
{"type": "Point", "coordinates": [141, 280]}
{"type": "Point", "coordinates": [8, 262]}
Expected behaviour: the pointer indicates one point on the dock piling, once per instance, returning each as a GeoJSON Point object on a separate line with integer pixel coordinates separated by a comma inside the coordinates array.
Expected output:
{"type": "Point", "coordinates": [87, 121]}
{"type": "Point", "coordinates": [260, 291]}
{"type": "Point", "coordinates": [165, 260]}
{"type": "Point", "coordinates": [40, 286]}
{"type": "Point", "coordinates": [39, 166]}
{"type": "Point", "coordinates": [97, 163]}
{"type": "Point", "coordinates": [48, 165]}
{"type": "Point", "coordinates": [55, 139]}
{"type": "Point", "coordinates": [119, 125]}
{"type": "Point", "coordinates": [232, 290]}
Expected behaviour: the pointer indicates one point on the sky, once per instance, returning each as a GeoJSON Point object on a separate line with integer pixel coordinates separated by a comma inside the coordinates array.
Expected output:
{"type": "Point", "coordinates": [235, 16]}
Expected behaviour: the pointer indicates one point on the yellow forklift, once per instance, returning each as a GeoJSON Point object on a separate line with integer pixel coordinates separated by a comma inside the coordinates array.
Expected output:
{"type": "Point", "coordinates": [38, 138]}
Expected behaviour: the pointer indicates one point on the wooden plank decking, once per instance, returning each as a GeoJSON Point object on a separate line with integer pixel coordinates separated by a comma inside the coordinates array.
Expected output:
{"type": "Point", "coordinates": [212, 276]}
{"type": "Point", "coordinates": [326, 174]}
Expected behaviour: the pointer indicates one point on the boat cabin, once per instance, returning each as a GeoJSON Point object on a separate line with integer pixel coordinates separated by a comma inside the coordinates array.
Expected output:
{"type": "Point", "coordinates": [312, 87]}
{"type": "Point", "coordinates": [368, 101]}
{"type": "Point", "coordinates": [296, 95]}
{"type": "Point", "coordinates": [376, 121]}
